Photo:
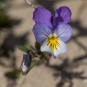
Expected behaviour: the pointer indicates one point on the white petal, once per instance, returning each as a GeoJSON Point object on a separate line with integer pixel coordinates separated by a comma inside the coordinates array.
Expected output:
{"type": "Point", "coordinates": [24, 68]}
{"type": "Point", "coordinates": [45, 47]}
{"type": "Point", "coordinates": [62, 48]}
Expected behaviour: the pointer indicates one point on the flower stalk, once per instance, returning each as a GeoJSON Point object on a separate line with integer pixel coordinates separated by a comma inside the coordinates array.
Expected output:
{"type": "Point", "coordinates": [30, 4]}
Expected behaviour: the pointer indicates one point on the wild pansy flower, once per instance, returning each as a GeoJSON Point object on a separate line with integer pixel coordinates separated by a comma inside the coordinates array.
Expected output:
{"type": "Point", "coordinates": [52, 32]}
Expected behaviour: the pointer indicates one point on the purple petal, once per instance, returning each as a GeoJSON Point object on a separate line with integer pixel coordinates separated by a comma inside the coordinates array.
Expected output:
{"type": "Point", "coordinates": [43, 15]}
{"type": "Point", "coordinates": [62, 15]}
{"type": "Point", "coordinates": [41, 32]}
{"type": "Point", "coordinates": [64, 32]}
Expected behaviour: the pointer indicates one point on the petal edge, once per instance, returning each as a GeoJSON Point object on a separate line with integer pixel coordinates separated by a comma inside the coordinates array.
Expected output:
{"type": "Point", "coordinates": [41, 32]}
{"type": "Point", "coordinates": [64, 32]}
{"type": "Point", "coordinates": [62, 15]}
{"type": "Point", "coordinates": [42, 15]}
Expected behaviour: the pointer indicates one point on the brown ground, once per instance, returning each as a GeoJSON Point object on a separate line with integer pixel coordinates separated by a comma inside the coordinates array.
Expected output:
{"type": "Point", "coordinates": [70, 69]}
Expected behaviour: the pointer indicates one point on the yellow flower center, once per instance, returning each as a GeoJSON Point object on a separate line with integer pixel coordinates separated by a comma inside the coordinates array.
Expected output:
{"type": "Point", "coordinates": [52, 41]}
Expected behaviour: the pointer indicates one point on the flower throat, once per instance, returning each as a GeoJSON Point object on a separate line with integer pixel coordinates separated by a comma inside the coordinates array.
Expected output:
{"type": "Point", "coordinates": [52, 42]}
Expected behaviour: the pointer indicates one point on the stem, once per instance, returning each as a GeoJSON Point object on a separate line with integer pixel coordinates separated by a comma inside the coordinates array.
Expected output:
{"type": "Point", "coordinates": [30, 4]}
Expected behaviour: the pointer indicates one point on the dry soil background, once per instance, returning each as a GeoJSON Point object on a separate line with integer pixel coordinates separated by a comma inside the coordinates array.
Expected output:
{"type": "Point", "coordinates": [70, 69]}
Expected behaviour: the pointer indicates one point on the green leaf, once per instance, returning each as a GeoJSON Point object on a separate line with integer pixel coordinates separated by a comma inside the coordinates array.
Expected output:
{"type": "Point", "coordinates": [22, 48]}
{"type": "Point", "coordinates": [2, 5]}
{"type": "Point", "coordinates": [4, 19]}
{"type": "Point", "coordinates": [33, 64]}
{"type": "Point", "coordinates": [27, 45]}
{"type": "Point", "coordinates": [13, 74]}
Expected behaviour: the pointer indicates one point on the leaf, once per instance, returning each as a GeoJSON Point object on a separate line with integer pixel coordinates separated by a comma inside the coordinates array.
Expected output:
{"type": "Point", "coordinates": [33, 64]}
{"type": "Point", "coordinates": [2, 5]}
{"type": "Point", "coordinates": [22, 48]}
{"type": "Point", "coordinates": [27, 45]}
{"type": "Point", "coordinates": [4, 20]}
{"type": "Point", "coordinates": [13, 74]}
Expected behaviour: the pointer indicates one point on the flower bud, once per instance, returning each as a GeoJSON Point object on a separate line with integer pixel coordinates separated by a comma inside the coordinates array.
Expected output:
{"type": "Point", "coordinates": [26, 62]}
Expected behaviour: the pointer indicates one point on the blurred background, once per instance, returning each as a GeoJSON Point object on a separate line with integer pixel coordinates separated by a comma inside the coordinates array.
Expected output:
{"type": "Point", "coordinates": [69, 70]}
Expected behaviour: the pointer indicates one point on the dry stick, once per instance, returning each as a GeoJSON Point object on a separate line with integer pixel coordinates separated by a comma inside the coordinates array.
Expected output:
{"type": "Point", "coordinates": [30, 3]}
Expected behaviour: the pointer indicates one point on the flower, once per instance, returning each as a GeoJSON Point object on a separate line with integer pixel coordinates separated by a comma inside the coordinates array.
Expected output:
{"type": "Point", "coordinates": [26, 62]}
{"type": "Point", "coordinates": [52, 33]}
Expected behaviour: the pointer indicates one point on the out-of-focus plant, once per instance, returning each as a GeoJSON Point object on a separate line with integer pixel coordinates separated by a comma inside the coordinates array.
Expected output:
{"type": "Point", "coordinates": [14, 74]}
{"type": "Point", "coordinates": [3, 4]}
{"type": "Point", "coordinates": [4, 19]}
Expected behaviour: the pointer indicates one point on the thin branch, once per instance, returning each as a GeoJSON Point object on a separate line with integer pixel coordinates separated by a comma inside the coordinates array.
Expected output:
{"type": "Point", "coordinates": [30, 4]}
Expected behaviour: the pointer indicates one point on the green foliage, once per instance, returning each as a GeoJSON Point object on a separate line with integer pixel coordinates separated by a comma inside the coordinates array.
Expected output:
{"type": "Point", "coordinates": [33, 64]}
{"type": "Point", "coordinates": [3, 4]}
{"type": "Point", "coordinates": [24, 48]}
{"type": "Point", "coordinates": [13, 74]}
{"type": "Point", "coordinates": [4, 20]}
{"type": "Point", "coordinates": [37, 45]}
{"type": "Point", "coordinates": [27, 45]}
{"type": "Point", "coordinates": [29, 68]}
{"type": "Point", "coordinates": [35, 53]}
